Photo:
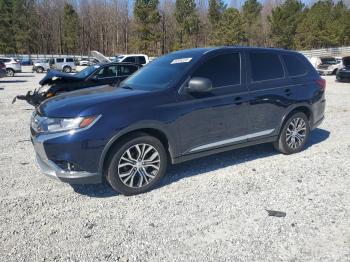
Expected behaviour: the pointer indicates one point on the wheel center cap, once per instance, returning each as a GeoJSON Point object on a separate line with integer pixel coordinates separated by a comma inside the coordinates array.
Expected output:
{"type": "Point", "coordinates": [138, 165]}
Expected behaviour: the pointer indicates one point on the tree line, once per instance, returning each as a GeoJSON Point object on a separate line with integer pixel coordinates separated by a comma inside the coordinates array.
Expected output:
{"type": "Point", "coordinates": [157, 27]}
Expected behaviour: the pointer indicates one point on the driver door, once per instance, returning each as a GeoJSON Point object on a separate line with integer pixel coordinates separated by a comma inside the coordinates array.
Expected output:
{"type": "Point", "coordinates": [219, 117]}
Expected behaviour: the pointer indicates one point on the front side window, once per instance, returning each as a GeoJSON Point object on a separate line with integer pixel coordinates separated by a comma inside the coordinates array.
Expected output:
{"type": "Point", "coordinates": [108, 71]}
{"type": "Point", "coordinates": [222, 70]}
{"type": "Point", "coordinates": [265, 66]}
{"type": "Point", "coordinates": [294, 65]}
{"type": "Point", "coordinates": [125, 70]}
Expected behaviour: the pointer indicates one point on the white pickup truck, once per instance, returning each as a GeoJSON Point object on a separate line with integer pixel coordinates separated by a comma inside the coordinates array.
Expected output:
{"type": "Point", "coordinates": [133, 58]}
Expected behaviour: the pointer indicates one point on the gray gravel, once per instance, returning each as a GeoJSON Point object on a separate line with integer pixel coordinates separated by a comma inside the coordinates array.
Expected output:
{"type": "Point", "coordinates": [211, 209]}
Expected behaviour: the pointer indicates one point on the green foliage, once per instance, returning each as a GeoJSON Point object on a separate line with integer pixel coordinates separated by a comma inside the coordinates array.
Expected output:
{"type": "Point", "coordinates": [70, 29]}
{"type": "Point", "coordinates": [229, 30]}
{"type": "Point", "coordinates": [284, 21]}
{"type": "Point", "coordinates": [325, 25]}
{"type": "Point", "coordinates": [147, 19]}
{"type": "Point", "coordinates": [251, 12]}
{"type": "Point", "coordinates": [187, 21]}
{"type": "Point", "coordinates": [7, 40]}
{"type": "Point", "coordinates": [216, 8]}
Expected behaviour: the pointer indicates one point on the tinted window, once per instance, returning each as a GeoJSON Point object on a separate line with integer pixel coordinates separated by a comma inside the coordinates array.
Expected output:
{"type": "Point", "coordinates": [69, 60]}
{"type": "Point", "coordinates": [108, 71]}
{"type": "Point", "coordinates": [59, 60]}
{"type": "Point", "coordinates": [222, 70]}
{"type": "Point", "coordinates": [142, 60]}
{"type": "Point", "coordinates": [265, 66]}
{"type": "Point", "coordinates": [130, 59]}
{"type": "Point", "coordinates": [5, 60]}
{"type": "Point", "coordinates": [125, 70]}
{"type": "Point", "coordinates": [294, 65]}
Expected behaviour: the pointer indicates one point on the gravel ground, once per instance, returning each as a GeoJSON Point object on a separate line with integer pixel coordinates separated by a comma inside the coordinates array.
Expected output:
{"type": "Point", "coordinates": [211, 209]}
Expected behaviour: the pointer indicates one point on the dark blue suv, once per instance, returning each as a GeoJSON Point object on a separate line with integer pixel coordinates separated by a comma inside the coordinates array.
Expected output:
{"type": "Point", "coordinates": [183, 105]}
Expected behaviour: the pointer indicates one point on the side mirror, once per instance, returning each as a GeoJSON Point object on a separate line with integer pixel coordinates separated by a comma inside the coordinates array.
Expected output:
{"type": "Point", "coordinates": [199, 85]}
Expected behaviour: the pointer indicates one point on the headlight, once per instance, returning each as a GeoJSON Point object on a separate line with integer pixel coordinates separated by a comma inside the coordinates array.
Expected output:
{"type": "Point", "coordinates": [44, 89]}
{"type": "Point", "coordinates": [53, 125]}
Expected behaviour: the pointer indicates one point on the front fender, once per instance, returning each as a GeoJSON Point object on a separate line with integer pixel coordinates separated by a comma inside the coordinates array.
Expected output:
{"type": "Point", "coordinates": [150, 125]}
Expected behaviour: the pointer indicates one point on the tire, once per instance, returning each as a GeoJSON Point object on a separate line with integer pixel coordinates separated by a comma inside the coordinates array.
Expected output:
{"type": "Point", "coordinates": [10, 72]}
{"type": "Point", "coordinates": [130, 173]}
{"type": "Point", "coordinates": [40, 70]}
{"type": "Point", "coordinates": [67, 69]}
{"type": "Point", "coordinates": [285, 143]}
{"type": "Point", "coordinates": [335, 71]}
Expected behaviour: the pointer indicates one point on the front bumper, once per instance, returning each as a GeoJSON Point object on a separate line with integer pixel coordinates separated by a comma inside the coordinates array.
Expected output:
{"type": "Point", "coordinates": [52, 170]}
{"type": "Point", "coordinates": [325, 72]}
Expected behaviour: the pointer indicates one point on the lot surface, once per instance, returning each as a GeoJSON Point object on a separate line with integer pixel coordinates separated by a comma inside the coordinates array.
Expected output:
{"type": "Point", "coordinates": [211, 209]}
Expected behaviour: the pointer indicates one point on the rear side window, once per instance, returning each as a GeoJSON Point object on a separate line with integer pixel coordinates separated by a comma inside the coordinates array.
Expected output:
{"type": "Point", "coordinates": [130, 59]}
{"type": "Point", "coordinates": [222, 70]}
{"type": "Point", "coordinates": [294, 65]}
{"type": "Point", "coordinates": [59, 60]}
{"type": "Point", "coordinates": [69, 60]}
{"type": "Point", "coordinates": [265, 66]}
{"type": "Point", "coordinates": [6, 60]}
{"type": "Point", "coordinates": [142, 60]}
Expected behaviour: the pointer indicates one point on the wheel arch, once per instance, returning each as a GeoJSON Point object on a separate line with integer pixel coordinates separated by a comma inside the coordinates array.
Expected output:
{"type": "Point", "coordinates": [156, 132]}
{"type": "Point", "coordinates": [299, 108]}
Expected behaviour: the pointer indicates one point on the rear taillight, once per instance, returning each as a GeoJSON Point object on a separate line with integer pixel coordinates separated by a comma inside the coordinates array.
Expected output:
{"type": "Point", "coordinates": [321, 83]}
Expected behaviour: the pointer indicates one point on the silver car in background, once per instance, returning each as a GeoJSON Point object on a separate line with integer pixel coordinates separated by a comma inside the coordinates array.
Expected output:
{"type": "Point", "coordinates": [12, 65]}
{"type": "Point", "coordinates": [41, 65]}
{"type": "Point", "coordinates": [65, 64]}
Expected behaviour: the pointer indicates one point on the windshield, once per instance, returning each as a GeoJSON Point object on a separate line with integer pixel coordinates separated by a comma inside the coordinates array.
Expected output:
{"type": "Point", "coordinates": [329, 61]}
{"type": "Point", "coordinates": [162, 72]}
{"type": "Point", "coordinates": [87, 71]}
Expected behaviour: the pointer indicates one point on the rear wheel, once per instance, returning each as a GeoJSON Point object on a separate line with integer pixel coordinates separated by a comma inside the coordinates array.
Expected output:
{"type": "Point", "coordinates": [67, 69]}
{"type": "Point", "coordinates": [137, 164]}
{"type": "Point", "coordinates": [294, 134]}
{"type": "Point", "coordinates": [10, 72]}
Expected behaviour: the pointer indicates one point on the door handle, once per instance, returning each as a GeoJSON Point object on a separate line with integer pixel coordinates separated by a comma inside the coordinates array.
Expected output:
{"type": "Point", "coordinates": [238, 100]}
{"type": "Point", "coordinates": [287, 91]}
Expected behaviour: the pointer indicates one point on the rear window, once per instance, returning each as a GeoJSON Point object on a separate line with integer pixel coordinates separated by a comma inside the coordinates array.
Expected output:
{"type": "Point", "coordinates": [222, 70]}
{"type": "Point", "coordinates": [130, 59]}
{"type": "Point", "coordinates": [69, 60]}
{"type": "Point", "coordinates": [142, 60]}
{"type": "Point", "coordinates": [265, 66]}
{"type": "Point", "coordinates": [294, 65]}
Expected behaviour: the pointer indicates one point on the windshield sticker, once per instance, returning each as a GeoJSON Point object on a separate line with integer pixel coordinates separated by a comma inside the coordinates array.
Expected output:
{"type": "Point", "coordinates": [181, 60]}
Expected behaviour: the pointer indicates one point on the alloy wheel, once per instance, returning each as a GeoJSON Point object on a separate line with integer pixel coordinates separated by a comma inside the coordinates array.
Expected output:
{"type": "Point", "coordinates": [139, 165]}
{"type": "Point", "coordinates": [296, 133]}
{"type": "Point", "coordinates": [10, 72]}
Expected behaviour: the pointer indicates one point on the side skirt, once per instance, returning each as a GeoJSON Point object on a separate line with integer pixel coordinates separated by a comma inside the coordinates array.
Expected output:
{"type": "Point", "coordinates": [223, 149]}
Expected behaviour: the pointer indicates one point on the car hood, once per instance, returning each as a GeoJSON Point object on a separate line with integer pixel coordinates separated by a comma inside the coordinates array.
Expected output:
{"type": "Point", "coordinates": [52, 75]}
{"type": "Point", "coordinates": [77, 103]}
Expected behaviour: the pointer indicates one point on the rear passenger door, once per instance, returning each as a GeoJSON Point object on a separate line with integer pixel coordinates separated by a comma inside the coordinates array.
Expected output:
{"type": "Point", "coordinates": [269, 90]}
{"type": "Point", "coordinates": [219, 117]}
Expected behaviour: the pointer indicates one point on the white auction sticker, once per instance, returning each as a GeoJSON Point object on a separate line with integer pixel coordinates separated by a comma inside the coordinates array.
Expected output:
{"type": "Point", "coordinates": [181, 60]}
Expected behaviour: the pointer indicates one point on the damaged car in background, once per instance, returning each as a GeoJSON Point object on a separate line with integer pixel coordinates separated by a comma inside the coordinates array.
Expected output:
{"type": "Point", "coordinates": [56, 82]}
{"type": "Point", "coordinates": [328, 65]}
{"type": "Point", "coordinates": [343, 74]}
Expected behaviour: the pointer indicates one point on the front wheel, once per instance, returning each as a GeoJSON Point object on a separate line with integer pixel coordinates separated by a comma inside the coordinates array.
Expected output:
{"type": "Point", "coordinates": [67, 69]}
{"type": "Point", "coordinates": [10, 72]}
{"type": "Point", "coordinates": [40, 70]}
{"type": "Point", "coordinates": [136, 164]}
{"type": "Point", "coordinates": [293, 135]}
